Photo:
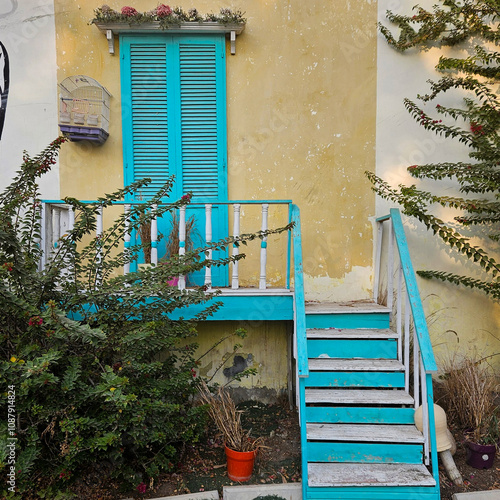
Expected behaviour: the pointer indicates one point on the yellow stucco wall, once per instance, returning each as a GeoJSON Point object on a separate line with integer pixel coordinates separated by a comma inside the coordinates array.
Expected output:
{"type": "Point", "coordinates": [294, 131]}
{"type": "Point", "coordinates": [301, 107]}
{"type": "Point", "coordinates": [301, 102]}
{"type": "Point", "coordinates": [264, 348]}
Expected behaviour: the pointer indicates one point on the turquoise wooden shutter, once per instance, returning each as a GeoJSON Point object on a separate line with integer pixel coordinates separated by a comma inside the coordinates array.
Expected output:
{"type": "Point", "coordinates": [145, 113]}
{"type": "Point", "coordinates": [202, 117]}
{"type": "Point", "coordinates": [174, 113]}
{"type": "Point", "coordinates": [201, 137]}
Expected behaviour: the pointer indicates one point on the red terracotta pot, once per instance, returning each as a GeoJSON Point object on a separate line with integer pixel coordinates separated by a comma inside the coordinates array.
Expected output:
{"type": "Point", "coordinates": [240, 464]}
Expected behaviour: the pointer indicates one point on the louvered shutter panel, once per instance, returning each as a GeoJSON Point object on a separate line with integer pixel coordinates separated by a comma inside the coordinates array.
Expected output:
{"type": "Point", "coordinates": [149, 115]}
{"type": "Point", "coordinates": [202, 127]}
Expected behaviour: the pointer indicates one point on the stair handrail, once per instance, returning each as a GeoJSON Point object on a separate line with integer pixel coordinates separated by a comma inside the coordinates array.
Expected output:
{"type": "Point", "coordinates": [299, 298]}
{"type": "Point", "coordinates": [417, 309]}
{"type": "Point", "coordinates": [426, 360]}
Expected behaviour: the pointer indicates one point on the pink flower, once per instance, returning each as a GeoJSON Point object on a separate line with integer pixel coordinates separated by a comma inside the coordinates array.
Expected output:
{"type": "Point", "coordinates": [163, 10]}
{"type": "Point", "coordinates": [141, 488]}
{"type": "Point", "coordinates": [476, 128]}
{"type": "Point", "coordinates": [65, 474]}
{"type": "Point", "coordinates": [129, 11]}
{"type": "Point", "coordinates": [35, 320]}
{"type": "Point", "coordinates": [186, 198]}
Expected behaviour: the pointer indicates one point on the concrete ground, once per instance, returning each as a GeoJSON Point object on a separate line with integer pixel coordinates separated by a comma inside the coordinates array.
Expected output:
{"type": "Point", "coordinates": [293, 491]}
{"type": "Point", "coordinates": [478, 495]}
{"type": "Point", "coordinates": [288, 491]}
{"type": "Point", "coordinates": [203, 495]}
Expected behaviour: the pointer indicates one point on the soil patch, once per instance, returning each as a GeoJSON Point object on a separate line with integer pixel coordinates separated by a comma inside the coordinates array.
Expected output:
{"type": "Point", "coordinates": [204, 467]}
{"type": "Point", "coordinates": [474, 479]}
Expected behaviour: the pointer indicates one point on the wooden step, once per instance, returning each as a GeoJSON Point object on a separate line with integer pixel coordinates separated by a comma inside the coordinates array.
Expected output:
{"type": "Point", "coordinates": [346, 379]}
{"type": "Point", "coordinates": [355, 365]}
{"type": "Point", "coordinates": [364, 453]}
{"type": "Point", "coordinates": [364, 433]}
{"type": "Point", "coordinates": [355, 314]}
{"type": "Point", "coordinates": [358, 396]}
{"type": "Point", "coordinates": [350, 333]}
{"type": "Point", "coordinates": [360, 415]}
{"type": "Point", "coordinates": [355, 348]}
{"type": "Point", "coordinates": [351, 306]}
{"type": "Point", "coordinates": [338, 475]}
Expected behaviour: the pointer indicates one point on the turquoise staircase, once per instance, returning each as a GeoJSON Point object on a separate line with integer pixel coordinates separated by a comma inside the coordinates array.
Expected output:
{"type": "Point", "coordinates": [359, 383]}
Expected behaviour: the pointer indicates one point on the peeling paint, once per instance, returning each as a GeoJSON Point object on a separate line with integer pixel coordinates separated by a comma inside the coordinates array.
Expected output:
{"type": "Point", "coordinates": [346, 288]}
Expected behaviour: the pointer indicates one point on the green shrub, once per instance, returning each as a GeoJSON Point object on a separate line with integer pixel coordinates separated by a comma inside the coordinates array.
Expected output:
{"type": "Point", "coordinates": [92, 369]}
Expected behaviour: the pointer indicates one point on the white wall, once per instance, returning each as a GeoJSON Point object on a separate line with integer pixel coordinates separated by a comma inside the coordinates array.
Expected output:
{"type": "Point", "coordinates": [28, 33]}
{"type": "Point", "coordinates": [459, 319]}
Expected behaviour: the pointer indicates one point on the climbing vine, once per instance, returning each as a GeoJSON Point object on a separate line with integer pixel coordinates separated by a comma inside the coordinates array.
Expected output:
{"type": "Point", "coordinates": [474, 72]}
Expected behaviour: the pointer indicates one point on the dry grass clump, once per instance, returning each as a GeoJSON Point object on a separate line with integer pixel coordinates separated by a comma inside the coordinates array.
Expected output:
{"type": "Point", "coordinates": [469, 389]}
{"type": "Point", "coordinates": [145, 234]}
{"type": "Point", "coordinates": [227, 419]}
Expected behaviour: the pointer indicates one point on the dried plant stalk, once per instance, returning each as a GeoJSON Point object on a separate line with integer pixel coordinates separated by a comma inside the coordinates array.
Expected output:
{"type": "Point", "coordinates": [145, 234]}
{"type": "Point", "coordinates": [227, 419]}
{"type": "Point", "coordinates": [469, 389]}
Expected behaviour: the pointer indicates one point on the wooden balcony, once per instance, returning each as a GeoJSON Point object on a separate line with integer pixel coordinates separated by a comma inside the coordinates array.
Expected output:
{"type": "Point", "coordinates": [256, 288]}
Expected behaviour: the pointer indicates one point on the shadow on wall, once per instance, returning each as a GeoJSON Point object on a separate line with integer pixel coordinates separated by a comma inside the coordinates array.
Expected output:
{"type": "Point", "coordinates": [4, 84]}
{"type": "Point", "coordinates": [240, 364]}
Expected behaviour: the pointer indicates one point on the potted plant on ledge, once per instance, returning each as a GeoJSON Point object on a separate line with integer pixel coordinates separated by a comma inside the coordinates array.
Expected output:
{"type": "Point", "coordinates": [241, 449]}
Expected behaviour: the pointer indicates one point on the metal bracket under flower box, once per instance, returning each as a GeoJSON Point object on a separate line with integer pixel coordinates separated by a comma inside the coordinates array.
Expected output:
{"type": "Point", "coordinates": [111, 29]}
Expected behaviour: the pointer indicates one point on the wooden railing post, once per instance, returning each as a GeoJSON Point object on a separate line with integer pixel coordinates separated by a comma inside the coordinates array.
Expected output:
{"type": "Point", "coordinates": [236, 232]}
{"type": "Point", "coordinates": [154, 236]}
{"type": "Point", "coordinates": [71, 218]}
{"type": "Point", "coordinates": [399, 313]}
{"type": "Point", "coordinates": [263, 248]}
{"type": "Point", "coordinates": [208, 239]}
{"type": "Point", "coordinates": [425, 414]}
{"type": "Point", "coordinates": [43, 236]}
{"type": "Point", "coordinates": [407, 343]}
{"type": "Point", "coordinates": [55, 218]}
{"type": "Point", "coordinates": [378, 261]}
{"type": "Point", "coordinates": [182, 242]}
{"type": "Point", "coordinates": [390, 268]}
{"type": "Point", "coordinates": [99, 230]}
{"type": "Point", "coordinates": [126, 237]}
{"type": "Point", "coordinates": [416, 372]}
